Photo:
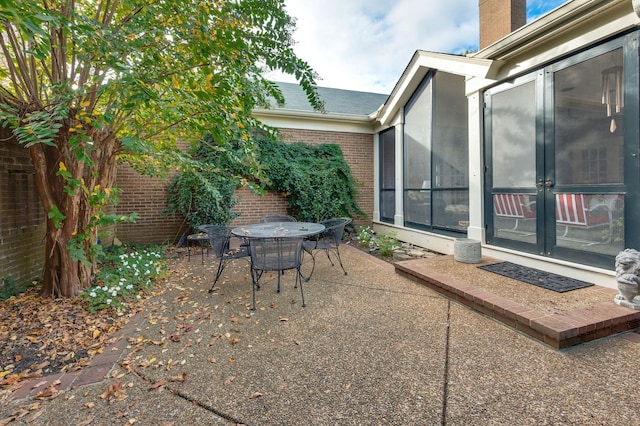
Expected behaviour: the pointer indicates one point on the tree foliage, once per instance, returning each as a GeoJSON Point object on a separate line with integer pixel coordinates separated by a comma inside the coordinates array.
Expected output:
{"type": "Point", "coordinates": [85, 83]}
{"type": "Point", "coordinates": [205, 192]}
{"type": "Point", "coordinates": [316, 178]}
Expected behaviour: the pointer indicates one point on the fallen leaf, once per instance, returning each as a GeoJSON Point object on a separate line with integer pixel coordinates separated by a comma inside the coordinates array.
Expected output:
{"type": "Point", "coordinates": [158, 384]}
{"type": "Point", "coordinates": [179, 378]}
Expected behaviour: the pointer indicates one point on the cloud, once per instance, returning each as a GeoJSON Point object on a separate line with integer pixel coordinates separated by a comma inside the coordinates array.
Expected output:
{"type": "Point", "coordinates": [366, 44]}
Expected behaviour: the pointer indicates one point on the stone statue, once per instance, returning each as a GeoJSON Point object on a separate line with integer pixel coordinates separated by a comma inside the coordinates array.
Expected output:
{"type": "Point", "coordinates": [628, 277]}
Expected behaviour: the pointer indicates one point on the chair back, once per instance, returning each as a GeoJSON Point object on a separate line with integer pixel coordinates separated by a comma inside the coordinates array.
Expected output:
{"type": "Point", "coordinates": [219, 237]}
{"type": "Point", "coordinates": [571, 209]}
{"type": "Point", "coordinates": [333, 230]}
{"type": "Point", "coordinates": [510, 205]}
{"type": "Point", "coordinates": [277, 218]}
{"type": "Point", "coordinates": [275, 254]}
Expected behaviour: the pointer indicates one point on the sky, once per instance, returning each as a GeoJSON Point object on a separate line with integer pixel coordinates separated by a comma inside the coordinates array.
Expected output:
{"type": "Point", "coordinates": [365, 45]}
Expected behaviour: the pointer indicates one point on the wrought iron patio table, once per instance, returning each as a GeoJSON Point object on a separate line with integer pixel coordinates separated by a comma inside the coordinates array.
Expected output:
{"type": "Point", "coordinates": [278, 230]}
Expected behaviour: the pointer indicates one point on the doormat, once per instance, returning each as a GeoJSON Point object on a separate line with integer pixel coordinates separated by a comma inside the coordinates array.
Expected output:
{"type": "Point", "coordinates": [539, 278]}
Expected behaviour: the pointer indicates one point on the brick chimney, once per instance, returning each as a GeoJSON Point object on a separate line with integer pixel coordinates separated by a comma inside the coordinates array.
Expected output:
{"type": "Point", "coordinates": [498, 18]}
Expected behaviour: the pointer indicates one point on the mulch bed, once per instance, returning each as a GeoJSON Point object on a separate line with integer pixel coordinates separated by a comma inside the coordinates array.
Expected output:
{"type": "Point", "coordinates": [41, 336]}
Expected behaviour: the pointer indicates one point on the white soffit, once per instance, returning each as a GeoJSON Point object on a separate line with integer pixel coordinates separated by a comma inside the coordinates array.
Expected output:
{"type": "Point", "coordinates": [419, 66]}
{"type": "Point", "coordinates": [307, 120]}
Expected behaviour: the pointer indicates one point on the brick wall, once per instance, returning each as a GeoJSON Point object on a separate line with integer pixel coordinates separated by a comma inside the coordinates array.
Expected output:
{"type": "Point", "coordinates": [147, 196]}
{"type": "Point", "coordinates": [22, 218]}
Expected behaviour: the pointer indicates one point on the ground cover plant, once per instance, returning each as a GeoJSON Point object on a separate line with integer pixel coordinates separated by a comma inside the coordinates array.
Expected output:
{"type": "Point", "coordinates": [41, 336]}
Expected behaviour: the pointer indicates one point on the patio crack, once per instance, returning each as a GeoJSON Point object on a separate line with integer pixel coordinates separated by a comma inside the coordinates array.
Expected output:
{"type": "Point", "coordinates": [445, 385]}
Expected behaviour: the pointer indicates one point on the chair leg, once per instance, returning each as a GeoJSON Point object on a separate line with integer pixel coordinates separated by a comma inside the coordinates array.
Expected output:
{"type": "Point", "coordinates": [326, 251]}
{"type": "Point", "coordinates": [255, 285]}
{"type": "Point", "coordinates": [218, 274]}
{"type": "Point", "coordinates": [299, 278]}
{"type": "Point", "coordinates": [313, 267]}
{"type": "Point", "coordinates": [340, 261]}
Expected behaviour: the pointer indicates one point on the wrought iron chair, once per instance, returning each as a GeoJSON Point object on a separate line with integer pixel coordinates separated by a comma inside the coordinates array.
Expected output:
{"type": "Point", "coordinates": [277, 218]}
{"type": "Point", "coordinates": [275, 254]}
{"type": "Point", "coordinates": [219, 238]}
{"type": "Point", "coordinates": [329, 240]}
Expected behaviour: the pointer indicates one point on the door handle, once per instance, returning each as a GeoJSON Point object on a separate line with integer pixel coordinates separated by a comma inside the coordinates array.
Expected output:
{"type": "Point", "coordinates": [545, 183]}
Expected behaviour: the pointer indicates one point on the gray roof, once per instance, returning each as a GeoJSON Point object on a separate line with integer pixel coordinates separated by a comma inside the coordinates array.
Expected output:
{"type": "Point", "coordinates": [336, 101]}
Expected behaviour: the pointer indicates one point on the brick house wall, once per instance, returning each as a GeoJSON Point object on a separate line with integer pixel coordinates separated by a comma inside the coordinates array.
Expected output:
{"type": "Point", "coordinates": [22, 218]}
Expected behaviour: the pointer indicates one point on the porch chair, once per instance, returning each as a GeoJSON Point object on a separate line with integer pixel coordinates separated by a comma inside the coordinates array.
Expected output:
{"type": "Point", "coordinates": [579, 211]}
{"type": "Point", "coordinates": [275, 254]}
{"type": "Point", "coordinates": [270, 218]}
{"type": "Point", "coordinates": [329, 240]}
{"type": "Point", "coordinates": [219, 239]}
{"type": "Point", "coordinates": [514, 206]}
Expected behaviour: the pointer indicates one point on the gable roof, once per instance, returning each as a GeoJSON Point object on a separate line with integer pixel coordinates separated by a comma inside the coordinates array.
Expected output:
{"type": "Point", "coordinates": [336, 101]}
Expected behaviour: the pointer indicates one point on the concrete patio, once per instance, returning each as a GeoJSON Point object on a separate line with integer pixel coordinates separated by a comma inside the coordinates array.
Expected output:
{"type": "Point", "coordinates": [370, 348]}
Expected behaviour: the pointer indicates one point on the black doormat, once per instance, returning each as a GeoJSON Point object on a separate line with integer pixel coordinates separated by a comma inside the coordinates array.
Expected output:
{"type": "Point", "coordinates": [539, 278]}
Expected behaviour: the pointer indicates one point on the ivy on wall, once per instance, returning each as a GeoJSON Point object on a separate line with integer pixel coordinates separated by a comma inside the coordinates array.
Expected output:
{"type": "Point", "coordinates": [204, 191]}
{"type": "Point", "coordinates": [315, 178]}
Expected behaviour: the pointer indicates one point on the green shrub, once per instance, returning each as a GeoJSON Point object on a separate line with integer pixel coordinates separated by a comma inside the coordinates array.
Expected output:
{"type": "Point", "coordinates": [386, 243]}
{"type": "Point", "coordinates": [123, 274]}
{"type": "Point", "coordinates": [365, 236]}
{"type": "Point", "coordinates": [9, 287]}
{"type": "Point", "coordinates": [204, 192]}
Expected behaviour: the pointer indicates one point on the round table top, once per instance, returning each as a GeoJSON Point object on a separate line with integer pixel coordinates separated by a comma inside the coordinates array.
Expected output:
{"type": "Point", "coordinates": [278, 230]}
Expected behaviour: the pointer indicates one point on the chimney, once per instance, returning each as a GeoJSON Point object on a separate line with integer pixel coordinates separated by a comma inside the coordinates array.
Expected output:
{"type": "Point", "coordinates": [499, 18]}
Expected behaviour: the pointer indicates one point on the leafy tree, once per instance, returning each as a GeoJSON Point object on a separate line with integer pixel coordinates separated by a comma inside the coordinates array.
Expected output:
{"type": "Point", "coordinates": [84, 83]}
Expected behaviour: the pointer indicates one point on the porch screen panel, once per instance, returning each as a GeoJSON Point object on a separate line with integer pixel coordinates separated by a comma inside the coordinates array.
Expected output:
{"type": "Point", "coordinates": [589, 154]}
{"type": "Point", "coordinates": [588, 121]}
{"type": "Point", "coordinates": [513, 135]}
{"type": "Point", "coordinates": [387, 175]}
{"type": "Point", "coordinates": [450, 156]}
{"type": "Point", "coordinates": [417, 158]}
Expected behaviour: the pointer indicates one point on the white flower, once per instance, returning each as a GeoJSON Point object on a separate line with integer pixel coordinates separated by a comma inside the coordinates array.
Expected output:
{"type": "Point", "coordinates": [108, 301]}
{"type": "Point", "coordinates": [93, 294]}
{"type": "Point", "coordinates": [138, 297]}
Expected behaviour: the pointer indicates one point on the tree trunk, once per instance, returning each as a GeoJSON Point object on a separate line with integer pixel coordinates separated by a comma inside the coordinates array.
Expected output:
{"type": "Point", "coordinates": [64, 275]}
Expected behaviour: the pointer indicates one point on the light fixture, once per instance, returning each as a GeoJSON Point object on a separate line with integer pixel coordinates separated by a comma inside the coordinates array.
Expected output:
{"type": "Point", "coordinates": [612, 93]}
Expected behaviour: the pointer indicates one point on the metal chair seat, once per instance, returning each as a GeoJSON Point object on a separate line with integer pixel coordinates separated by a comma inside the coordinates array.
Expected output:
{"type": "Point", "coordinates": [219, 239]}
